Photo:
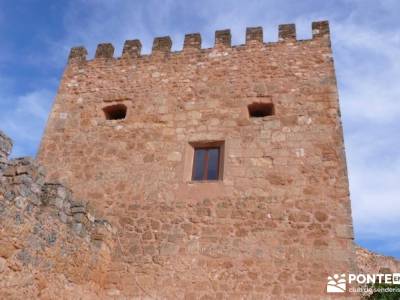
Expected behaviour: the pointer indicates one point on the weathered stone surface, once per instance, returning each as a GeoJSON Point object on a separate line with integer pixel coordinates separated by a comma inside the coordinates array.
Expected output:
{"type": "Point", "coordinates": [78, 209]}
{"type": "Point", "coordinates": [373, 263]}
{"type": "Point", "coordinates": [3, 264]}
{"type": "Point", "coordinates": [105, 50]}
{"type": "Point", "coordinates": [254, 34]}
{"type": "Point", "coordinates": [5, 145]}
{"type": "Point", "coordinates": [132, 49]}
{"type": "Point", "coordinates": [192, 41]}
{"type": "Point", "coordinates": [162, 44]}
{"type": "Point", "coordinates": [6, 249]}
{"type": "Point", "coordinates": [40, 256]}
{"type": "Point", "coordinates": [77, 55]}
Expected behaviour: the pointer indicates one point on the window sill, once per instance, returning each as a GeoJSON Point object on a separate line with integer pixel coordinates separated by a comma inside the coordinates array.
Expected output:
{"type": "Point", "coordinates": [112, 123]}
{"type": "Point", "coordinates": [218, 181]}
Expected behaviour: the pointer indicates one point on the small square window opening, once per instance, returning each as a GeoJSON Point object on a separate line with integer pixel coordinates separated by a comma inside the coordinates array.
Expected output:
{"type": "Point", "coordinates": [259, 110]}
{"type": "Point", "coordinates": [115, 112]}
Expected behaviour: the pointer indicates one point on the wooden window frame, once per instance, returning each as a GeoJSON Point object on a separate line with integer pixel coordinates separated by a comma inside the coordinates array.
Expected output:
{"type": "Point", "coordinates": [206, 163]}
{"type": "Point", "coordinates": [220, 145]}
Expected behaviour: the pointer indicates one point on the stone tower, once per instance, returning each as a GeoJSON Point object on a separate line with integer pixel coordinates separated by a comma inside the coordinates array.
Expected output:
{"type": "Point", "coordinates": [222, 168]}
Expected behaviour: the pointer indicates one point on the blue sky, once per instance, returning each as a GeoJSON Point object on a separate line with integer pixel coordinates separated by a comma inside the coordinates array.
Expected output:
{"type": "Point", "coordinates": [36, 36]}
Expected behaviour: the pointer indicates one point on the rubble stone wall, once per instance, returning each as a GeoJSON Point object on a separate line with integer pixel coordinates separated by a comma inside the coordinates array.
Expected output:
{"type": "Point", "coordinates": [373, 263]}
{"type": "Point", "coordinates": [51, 246]}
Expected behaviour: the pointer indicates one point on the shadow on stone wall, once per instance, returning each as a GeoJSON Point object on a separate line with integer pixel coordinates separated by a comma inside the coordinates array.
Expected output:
{"type": "Point", "coordinates": [51, 245]}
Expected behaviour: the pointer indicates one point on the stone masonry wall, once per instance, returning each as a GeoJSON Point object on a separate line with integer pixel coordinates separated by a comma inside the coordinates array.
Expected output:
{"type": "Point", "coordinates": [277, 223]}
{"type": "Point", "coordinates": [373, 263]}
{"type": "Point", "coordinates": [50, 244]}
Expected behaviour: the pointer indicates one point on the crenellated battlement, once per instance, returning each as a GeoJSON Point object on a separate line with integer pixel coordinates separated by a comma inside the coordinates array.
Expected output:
{"type": "Point", "coordinates": [192, 41]}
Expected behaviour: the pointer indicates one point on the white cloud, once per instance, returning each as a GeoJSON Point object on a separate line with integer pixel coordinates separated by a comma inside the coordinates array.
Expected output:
{"type": "Point", "coordinates": [25, 120]}
{"type": "Point", "coordinates": [369, 65]}
{"type": "Point", "coordinates": [368, 71]}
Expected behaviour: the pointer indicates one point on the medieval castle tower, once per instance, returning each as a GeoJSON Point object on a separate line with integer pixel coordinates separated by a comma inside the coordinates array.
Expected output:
{"type": "Point", "coordinates": [222, 169]}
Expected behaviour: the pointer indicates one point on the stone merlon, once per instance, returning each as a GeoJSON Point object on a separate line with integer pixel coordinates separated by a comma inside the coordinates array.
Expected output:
{"type": "Point", "coordinates": [162, 44]}
{"type": "Point", "coordinates": [287, 31]}
{"type": "Point", "coordinates": [223, 38]}
{"type": "Point", "coordinates": [132, 48]}
{"type": "Point", "coordinates": [192, 40]}
{"type": "Point", "coordinates": [105, 50]}
{"type": "Point", "coordinates": [254, 34]}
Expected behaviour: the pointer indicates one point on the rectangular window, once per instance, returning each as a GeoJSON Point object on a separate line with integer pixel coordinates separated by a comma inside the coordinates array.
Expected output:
{"type": "Point", "coordinates": [206, 163]}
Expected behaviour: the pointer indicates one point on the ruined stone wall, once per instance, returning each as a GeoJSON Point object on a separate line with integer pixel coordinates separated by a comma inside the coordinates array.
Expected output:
{"type": "Point", "coordinates": [51, 247]}
{"type": "Point", "coordinates": [279, 221]}
{"type": "Point", "coordinates": [373, 263]}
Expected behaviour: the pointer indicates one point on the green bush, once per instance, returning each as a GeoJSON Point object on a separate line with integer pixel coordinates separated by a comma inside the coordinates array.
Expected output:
{"type": "Point", "coordinates": [393, 295]}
